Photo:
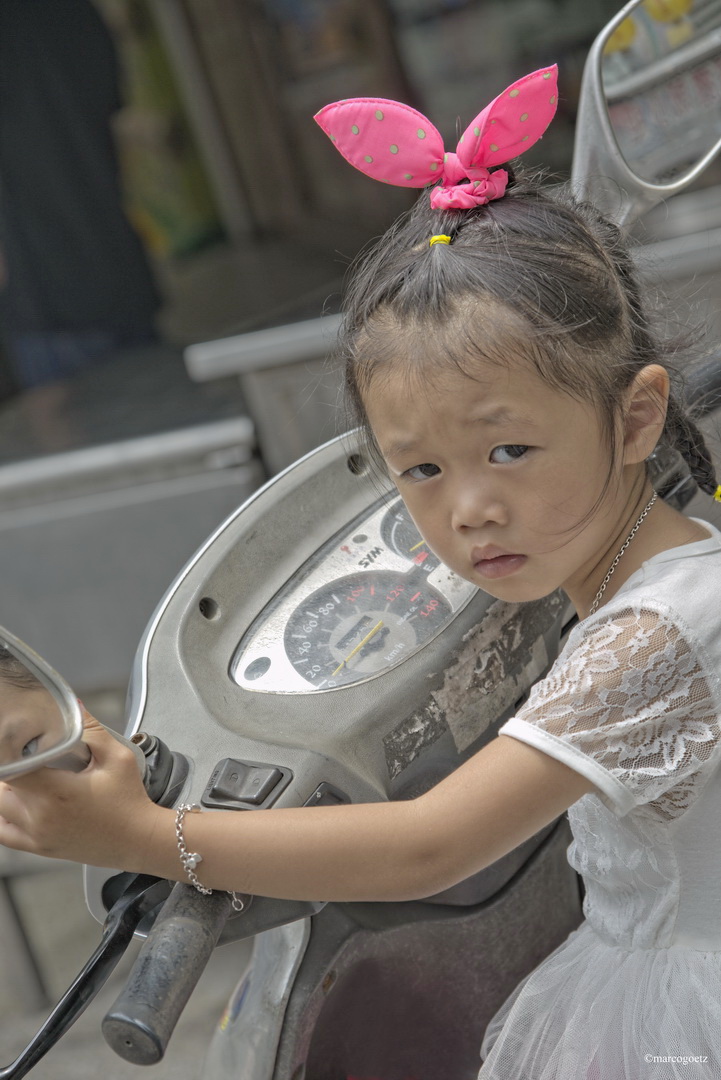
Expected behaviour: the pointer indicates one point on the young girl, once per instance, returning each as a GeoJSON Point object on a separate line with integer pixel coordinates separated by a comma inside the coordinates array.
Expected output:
{"type": "Point", "coordinates": [497, 352]}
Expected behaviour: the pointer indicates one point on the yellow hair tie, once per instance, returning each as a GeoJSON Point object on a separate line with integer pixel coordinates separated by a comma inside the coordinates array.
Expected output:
{"type": "Point", "coordinates": [717, 494]}
{"type": "Point", "coordinates": [441, 238]}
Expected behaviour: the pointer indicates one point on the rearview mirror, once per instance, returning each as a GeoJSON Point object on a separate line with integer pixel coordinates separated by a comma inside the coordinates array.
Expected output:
{"type": "Point", "coordinates": [40, 718]}
{"type": "Point", "coordinates": [649, 120]}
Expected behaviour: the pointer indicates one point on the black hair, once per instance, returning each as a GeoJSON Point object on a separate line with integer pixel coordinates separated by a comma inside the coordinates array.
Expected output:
{"type": "Point", "coordinates": [535, 273]}
{"type": "Point", "coordinates": [14, 672]}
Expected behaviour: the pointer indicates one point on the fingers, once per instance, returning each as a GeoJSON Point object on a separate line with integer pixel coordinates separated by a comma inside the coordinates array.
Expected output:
{"type": "Point", "coordinates": [12, 831]}
{"type": "Point", "coordinates": [107, 756]}
{"type": "Point", "coordinates": [84, 816]}
{"type": "Point", "coordinates": [89, 721]}
{"type": "Point", "coordinates": [109, 750]}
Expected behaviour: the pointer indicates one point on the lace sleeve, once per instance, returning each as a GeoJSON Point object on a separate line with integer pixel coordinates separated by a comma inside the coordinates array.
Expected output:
{"type": "Point", "coordinates": [630, 705]}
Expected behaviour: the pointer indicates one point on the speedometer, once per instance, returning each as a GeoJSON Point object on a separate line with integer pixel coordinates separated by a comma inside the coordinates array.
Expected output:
{"type": "Point", "coordinates": [358, 625]}
{"type": "Point", "coordinates": [368, 599]}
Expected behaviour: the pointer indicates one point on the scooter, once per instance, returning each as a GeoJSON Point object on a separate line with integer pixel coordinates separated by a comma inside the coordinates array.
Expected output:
{"type": "Point", "coordinates": [315, 652]}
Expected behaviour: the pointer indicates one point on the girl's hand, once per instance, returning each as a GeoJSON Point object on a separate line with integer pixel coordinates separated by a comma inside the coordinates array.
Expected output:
{"type": "Point", "coordinates": [100, 816]}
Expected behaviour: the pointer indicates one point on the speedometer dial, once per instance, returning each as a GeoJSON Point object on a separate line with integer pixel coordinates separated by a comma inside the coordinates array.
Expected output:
{"type": "Point", "coordinates": [401, 536]}
{"type": "Point", "coordinates": [361, 624]}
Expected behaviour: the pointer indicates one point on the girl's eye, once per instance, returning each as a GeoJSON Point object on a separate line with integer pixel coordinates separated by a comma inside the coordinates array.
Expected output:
{"type": "Point", "coordinates": [422, 472]}
{"type": "Point", "coordinates": [502, 455]}
{"type": "Point", "coordinates": [31, 747]}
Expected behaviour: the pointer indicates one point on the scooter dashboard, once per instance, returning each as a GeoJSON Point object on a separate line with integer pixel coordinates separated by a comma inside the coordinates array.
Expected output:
{"type": "Point", "coordinates": [369, 598]}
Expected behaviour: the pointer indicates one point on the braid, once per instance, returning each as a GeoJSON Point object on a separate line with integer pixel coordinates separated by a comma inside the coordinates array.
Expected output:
{"type": "Point", "coordinates": [684, 435]}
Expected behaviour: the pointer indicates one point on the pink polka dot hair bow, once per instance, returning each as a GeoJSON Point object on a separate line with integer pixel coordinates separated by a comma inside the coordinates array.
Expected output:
{"type": "Point", "coordinates": [398, 145]}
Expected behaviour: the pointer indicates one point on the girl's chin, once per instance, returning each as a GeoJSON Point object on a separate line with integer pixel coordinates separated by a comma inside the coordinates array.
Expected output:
{"type": "Point", "coordinates": [513, 591]}
{"type": "Point", "coordinates": [502, 566]}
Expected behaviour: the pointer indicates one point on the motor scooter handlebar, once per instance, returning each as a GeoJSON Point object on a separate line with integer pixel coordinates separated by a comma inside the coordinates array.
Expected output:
{"type": "Point", "coordinates": [139, 1025]}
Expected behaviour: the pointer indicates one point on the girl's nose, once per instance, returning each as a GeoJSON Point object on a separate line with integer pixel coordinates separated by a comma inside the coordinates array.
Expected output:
{"type": "Point", "coordinates": [475, 505]}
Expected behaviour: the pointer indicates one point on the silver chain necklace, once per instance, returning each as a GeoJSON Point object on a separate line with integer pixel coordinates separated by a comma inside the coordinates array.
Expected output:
{"type": "Point", "coordinates": [614, 564]}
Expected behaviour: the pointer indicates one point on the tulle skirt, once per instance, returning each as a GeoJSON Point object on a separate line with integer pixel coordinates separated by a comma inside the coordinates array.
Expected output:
{"type": "Point", "coordinates": [593, 1011]}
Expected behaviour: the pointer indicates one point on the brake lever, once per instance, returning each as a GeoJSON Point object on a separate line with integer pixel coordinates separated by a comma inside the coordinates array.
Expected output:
{"type": "Point", "coordinates": [141, 897]}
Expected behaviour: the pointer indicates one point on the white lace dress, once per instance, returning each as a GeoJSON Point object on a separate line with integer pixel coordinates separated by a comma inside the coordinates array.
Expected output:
{"type": "Point", "coordinates": [633, 703]}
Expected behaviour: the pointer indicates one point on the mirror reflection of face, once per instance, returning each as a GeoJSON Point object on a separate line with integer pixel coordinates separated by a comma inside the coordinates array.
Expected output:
{"type": "Point", "coordinates": [30, 721]}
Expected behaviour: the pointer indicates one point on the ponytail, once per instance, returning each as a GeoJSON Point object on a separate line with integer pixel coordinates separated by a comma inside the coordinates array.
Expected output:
{"type": "Point", "coordinates": [683, 434]}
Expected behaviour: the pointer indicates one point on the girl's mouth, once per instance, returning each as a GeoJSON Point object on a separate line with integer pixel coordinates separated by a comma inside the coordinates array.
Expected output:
{"type": "Point", "coordinates": [492, 566]}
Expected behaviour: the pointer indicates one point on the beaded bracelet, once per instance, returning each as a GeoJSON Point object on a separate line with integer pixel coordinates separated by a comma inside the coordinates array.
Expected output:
{"type": "Point", "coordinates": [190, 859]}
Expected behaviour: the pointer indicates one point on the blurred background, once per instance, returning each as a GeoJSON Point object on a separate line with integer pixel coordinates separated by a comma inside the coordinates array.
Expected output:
{"type": "Point", "coordinates": [163, 185]}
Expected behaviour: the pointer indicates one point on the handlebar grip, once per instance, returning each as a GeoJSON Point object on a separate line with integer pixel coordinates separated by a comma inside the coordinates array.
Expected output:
{"type": "Point", "coordinates": [139, 1025]}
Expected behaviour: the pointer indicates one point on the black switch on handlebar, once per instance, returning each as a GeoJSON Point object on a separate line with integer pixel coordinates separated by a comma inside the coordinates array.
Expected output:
{"type": "Point", "coordinates": [244, 785]}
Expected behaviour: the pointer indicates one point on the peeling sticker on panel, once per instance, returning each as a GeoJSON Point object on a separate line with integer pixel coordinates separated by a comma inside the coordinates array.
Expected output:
{"type": "Point", "coordinates": [496, 664]}
{"type": "Point", "coordinates": [411, 737]}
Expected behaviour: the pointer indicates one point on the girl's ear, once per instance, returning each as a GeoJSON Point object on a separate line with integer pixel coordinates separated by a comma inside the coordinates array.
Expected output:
{"type": "Point", "coordinates": [644, 415]}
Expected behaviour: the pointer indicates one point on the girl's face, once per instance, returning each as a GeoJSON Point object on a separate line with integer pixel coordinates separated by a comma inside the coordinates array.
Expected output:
{"type": "Point", "coordinates": [502, 476]}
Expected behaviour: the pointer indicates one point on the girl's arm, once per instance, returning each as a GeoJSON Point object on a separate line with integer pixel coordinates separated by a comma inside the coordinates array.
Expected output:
{"type": "Point", "coordinates": [372, 851]}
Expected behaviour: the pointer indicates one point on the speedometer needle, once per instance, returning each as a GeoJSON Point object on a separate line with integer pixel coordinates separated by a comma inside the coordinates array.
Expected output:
{"type": "Point", "coordinates": [358, 647]}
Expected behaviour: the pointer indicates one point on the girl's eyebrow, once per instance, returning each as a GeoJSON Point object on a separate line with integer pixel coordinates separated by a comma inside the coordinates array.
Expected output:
{"type": "Point", "coordinates": [498, 416]}
{"type": "Point", "coordinates": [501, 415]}
{"type": "Point", "coordinates": [397, 449]}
